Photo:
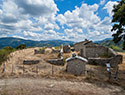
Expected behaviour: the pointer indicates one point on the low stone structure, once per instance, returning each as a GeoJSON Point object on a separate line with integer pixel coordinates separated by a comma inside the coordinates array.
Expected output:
{"type": "Point", "coordinates": [97, 54]}
{"type": "Point", "coordinates": [114, 61]}
{"type": "Point", "coordinates": [40, 51]}
{"type": "Point", "coordinates": [56, 61]}
{"type": "Point", "coordinates": [76, 65]}
{"type": "Point", "coordinates": [66, 49]}
{"type": "Point", "coordinates": [55, 51]}
{"type": "Point", "coordinates": [80, 45]}
{"type": "Point", "coordinates": [30, 62]}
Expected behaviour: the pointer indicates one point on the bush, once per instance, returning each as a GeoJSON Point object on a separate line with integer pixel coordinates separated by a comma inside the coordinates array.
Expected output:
{"type": "Point", "coordinates": [58, 47]}
{"type": "Point", "coordinates": [4, 53]}
{"type": "Point", "coordinates": [22, 46]}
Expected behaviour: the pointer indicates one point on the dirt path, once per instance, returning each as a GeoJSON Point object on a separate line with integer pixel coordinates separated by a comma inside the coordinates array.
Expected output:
{"type": "Point", "coordinates": [44, 86]}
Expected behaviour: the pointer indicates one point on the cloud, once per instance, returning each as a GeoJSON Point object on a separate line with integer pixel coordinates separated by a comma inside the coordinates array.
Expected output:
{"type": "Point", "coordinates": [17, 16]}
{"type": "Point", "coordinates": [80, 17]}
{"type": "Point", "coordinates": [84, 23]}
{"type": "Point", "coordinates": [37, 7]}
{"type": "Point", "coordinates": [109, 7]}
{"type": "Point", "coordinates": [102, 2]}
{"type": "Point", "coordinates": [39, 20]}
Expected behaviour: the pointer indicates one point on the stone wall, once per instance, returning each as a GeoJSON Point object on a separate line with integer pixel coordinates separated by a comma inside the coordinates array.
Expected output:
{"type": "Point", "coordinates": [114, 61]}
{"type": "Point", "coordinates": [76, 67]}
{"type": "Point", "coordinates": [66, 49]}
{"type": "Point", "coordinates": [97, 51]}
{"type": "Point", "coordinates": [100, 55]}
{"type": "Point", "coordinates": [56, 61]}
{"type": "Point", "coordinates": [41, 51]}
{"type": "Point", "coordinates": [30, 62]}
{"type": "Point", "coordinates": [55, 51]}
{"type": "Point", "coordinates": [80, 46]}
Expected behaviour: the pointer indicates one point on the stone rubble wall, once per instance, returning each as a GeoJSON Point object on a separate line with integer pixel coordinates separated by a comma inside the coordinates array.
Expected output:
{"type": "Point", "coordinates": [100, 55]}
{"type": "Point", "coordinates": [39, 51]}
{"type": "Point", "coordinates": [30, 62]}
{"type": "Point", "coordinates": [56, 61]}
{"type": "Point", "coordinates": [98, 51]}
{"type": "Point", "coordinates": [114, 61]}
{"type": "Point", "coordinates": [80, 46]}
{"type": "Point", "coordinates": [76, 67]}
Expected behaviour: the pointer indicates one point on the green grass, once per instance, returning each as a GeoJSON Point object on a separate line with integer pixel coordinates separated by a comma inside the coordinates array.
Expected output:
{"type": "Point", "coordinates": [58, 47]}
{"type": "Point", "coordinates": [5, 52]}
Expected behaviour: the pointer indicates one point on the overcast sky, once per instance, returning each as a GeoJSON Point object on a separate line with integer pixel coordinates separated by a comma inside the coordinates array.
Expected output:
{"type": "Point", "coordinates": [73, 20]}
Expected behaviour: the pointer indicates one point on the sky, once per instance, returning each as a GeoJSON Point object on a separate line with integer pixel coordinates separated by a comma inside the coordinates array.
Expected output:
{"type": "Point", "coordinates": [73, 20]}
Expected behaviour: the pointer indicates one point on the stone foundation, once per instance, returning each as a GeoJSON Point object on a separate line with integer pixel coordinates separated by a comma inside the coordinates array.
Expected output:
{"type": "Point", "coordinates": [39, 51]}
{"type": "Point", "coordinates": [56, 61]}
{"type": "Point", "coordinates": [30, 62]}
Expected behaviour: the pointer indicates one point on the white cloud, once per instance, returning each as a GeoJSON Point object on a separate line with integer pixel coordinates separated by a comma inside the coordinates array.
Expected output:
{"type": "Point", "coordinates": [102, 2]}
{"type": "Point", "coordinates": [109, 7]}
{"type": "Point", "coordinates": [27, 15]}
{"type": "Point", "coordinates": [37, 7]}
{"type": "Point", "coordinates": [84, 22]}
{"type": "Point", "coordinates": [37, 20]}
{"type": "Point", "coordinates": [80, 17]}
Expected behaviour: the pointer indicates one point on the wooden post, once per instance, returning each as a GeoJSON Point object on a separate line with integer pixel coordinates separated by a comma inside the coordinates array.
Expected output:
{"type": "Point", "coordinates": [12, 69]}
{"type": "Point", "coordinates": [52, 70]}
{"type": "Point", "coordinates": [37, 69]}
{"type": "Point", "coordinates": [23, 69]}
{"type": "Point", "coordinates": [3, 68]}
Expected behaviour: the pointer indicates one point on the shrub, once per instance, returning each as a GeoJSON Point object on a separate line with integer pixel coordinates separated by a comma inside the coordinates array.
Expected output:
{"type": "Point", "coordinates": [22, 46]}
{"type": "Point", "coordinates": [4, 53]}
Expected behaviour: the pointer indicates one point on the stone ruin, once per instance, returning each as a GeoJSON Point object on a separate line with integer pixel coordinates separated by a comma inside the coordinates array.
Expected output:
{"type": "Point", "coordinates": [66, 49]}
{"type": "Point", "coordinates": [31, 62]}
{"type": "Point", "coordinates": [56, 61]}
{"type": "Point", "coordinates": [59, 60]}
{"type": "Point", "coordinates": [76, 65]}
{"type": "Point", "coordinates": [97, 54]}
{"type": "Point", "coordinates": [55, 51]}
{"type": "Point", "coordinates": [40, 51]}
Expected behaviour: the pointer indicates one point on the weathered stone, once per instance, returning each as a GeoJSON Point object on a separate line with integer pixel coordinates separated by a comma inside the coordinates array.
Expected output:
{"type": "Point", "coordinates": [55, 51]}
{"type": "Point", "coordinates": [56, 61]}
{"type": "Point", "coordinates": [97, 54]}
{"type": "Point", "coordinates": [66, 49]}
{"type": "Point", "coordinates": [40, 51]}
{"type": "Point", "coordinates": [80, 45]}
{"type": "Point", "coordinates": [76, 65]}
{"type": "Point", "coordinates": [30, 62]}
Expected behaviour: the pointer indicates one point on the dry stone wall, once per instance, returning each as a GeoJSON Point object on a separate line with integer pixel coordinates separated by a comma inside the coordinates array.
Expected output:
{"type": "Point", "coordinates": [76, 67]}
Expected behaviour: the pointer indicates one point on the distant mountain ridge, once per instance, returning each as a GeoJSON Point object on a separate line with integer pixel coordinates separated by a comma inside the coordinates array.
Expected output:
{"type": "Point", "coordinates": [14, 42]}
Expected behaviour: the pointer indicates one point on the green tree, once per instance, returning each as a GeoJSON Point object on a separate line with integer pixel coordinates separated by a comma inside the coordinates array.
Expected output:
{"type": "Point", "coordinates": [119, 22]}
{"type": "Point", "coordinates": [22, 46]}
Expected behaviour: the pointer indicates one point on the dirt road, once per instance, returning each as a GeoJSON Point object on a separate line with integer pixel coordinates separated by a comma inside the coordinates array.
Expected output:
{"type": "Point", "coordinates": [44, 86]}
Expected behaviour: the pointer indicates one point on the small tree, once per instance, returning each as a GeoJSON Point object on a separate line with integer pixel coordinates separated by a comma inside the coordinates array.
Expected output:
{"type": "Point", "coordinates": [22, 46]}
{"type": "Point", "coordinates": [119, 20]}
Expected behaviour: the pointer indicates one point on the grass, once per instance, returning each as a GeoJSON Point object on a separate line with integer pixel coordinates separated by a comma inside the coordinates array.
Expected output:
{"type": "Point", "coordinates": [43, 48]}
{"type": "Point", "coordinates": [58, 47]}
{"type": "Point", "coordinates": [4, 53]}
{"type": "Point", "coordinates": [105, 55]}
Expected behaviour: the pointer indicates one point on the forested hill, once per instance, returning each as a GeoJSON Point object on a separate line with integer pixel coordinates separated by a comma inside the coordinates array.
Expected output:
{"type": "Point", "coordinates": [14, 42]}
{"type": "Point", "coordinates": [109, 43]}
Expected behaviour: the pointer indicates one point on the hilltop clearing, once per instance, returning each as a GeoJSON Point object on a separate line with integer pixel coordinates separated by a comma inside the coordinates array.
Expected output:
{"type": "Point", "coordinates": [53, 80]}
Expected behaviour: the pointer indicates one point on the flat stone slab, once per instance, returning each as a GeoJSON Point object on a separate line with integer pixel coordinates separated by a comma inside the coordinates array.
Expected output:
{"type": "Point", "coordinates": [30, 62]}
{"type": "Point", "coordinates": [56, 61]}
